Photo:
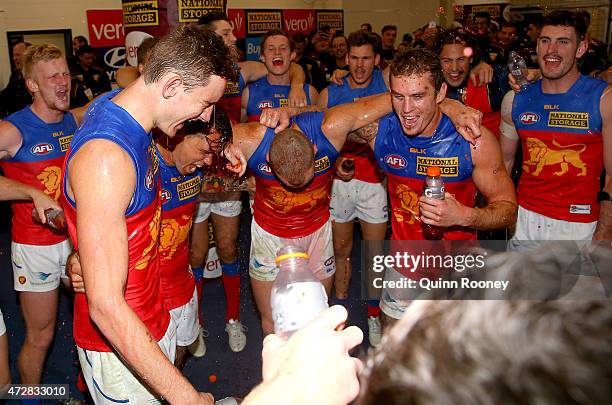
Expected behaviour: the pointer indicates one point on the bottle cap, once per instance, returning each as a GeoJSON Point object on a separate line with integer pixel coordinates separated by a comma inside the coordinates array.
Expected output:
{"type": "Point", "coordinates": [433, 171]}
{"type": "Point", "coordinates": [290, 255]}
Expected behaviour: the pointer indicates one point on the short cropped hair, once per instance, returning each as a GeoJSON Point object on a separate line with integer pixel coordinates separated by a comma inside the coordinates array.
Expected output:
{"type": "Point", "coordinates": [274, 32]}
{"type": "Point", "coordinates": [145, 46]}
{"type": "Point", "coordinates": [418, 62]}
{"type": "Point", "coordinates": [192, 52]}
{"type": "Point", "coordinates": [38, 53]}
{"type": "Point", "coordinates": [368, 27]}
{"type": "Point", "coordinates": [455, 36]}
{"type": "Point", "coordinates": [388, 28]}
{"type": "Point", "coordinates": [567, 18]}
{"type": "Point", "coordinates": [361, 38]}
{"type": "Point", "coordinates": [291, 156]}
{"type": "Point", "coordinates": [209, 18]}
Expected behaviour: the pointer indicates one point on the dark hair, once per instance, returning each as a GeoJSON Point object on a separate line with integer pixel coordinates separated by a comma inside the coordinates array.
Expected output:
{"type": "Point", "coordinates": [192, 52]}
{"type": "Point", "coordinates": [82, 39]}
{"type": "Point", "coordinates": [337, 35]}
{"type": "Point", "coordinates": [291, 156]}
{"type": "Point", "coordinates": [219, 123]}
{"type": "Point", "coordinates": [145, 46]}
{"type": "Point", "coordinates": [207, 19]}
{"type": "Point", "coordinates": [407, 38]}
{"type": "Point", "coordinates": [388, 28]}
{"type": "Point", "coordinates": [368, 26]}
{"type": "Point", "coordinates": [274, 32]}
{"type": "Point", "coordinates": [85, 49]}
{"type": "Point", "coordinates": [454, 36]}
{"type": "Point", "coordinates": [361, 38]}
{"type": "Point", "coordinates": [418, 62]}
{"type": "Point", "coordinates": [299, 37]}
{"type": "Point", "coordinates": [482, 14]}
{"type": "Point", "coordinates": [508, 24]}
{"type": "Point", "coordinates": [567, 18]}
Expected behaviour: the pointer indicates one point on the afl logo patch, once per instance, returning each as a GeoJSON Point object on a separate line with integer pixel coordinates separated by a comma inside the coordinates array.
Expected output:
{"type": "Point", "coordinates": [264, 104]}
{"type": "Point", "coordinates": [529, 118]}
{"type": "Point", "coordinates": [263, 167]}
{"type": "Point", "coordinates": [395, 161]}
{"type": "Point", "coordinates": [22, 280]}
{"type": "Point", "coordinates": [42, 149]}
{"type": "Point", "coordinates": [149, 180]}
{"type": "Point", "coordinates": [165, 196]}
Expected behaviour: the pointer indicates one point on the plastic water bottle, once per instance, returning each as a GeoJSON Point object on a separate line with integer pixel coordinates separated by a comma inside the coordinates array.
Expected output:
{"type": "Point", "coordinates": [434, 188]}
{"type": "Point", "coordinates": [518, 69]}
{"type": "Point", "coordinates": [297, 295]}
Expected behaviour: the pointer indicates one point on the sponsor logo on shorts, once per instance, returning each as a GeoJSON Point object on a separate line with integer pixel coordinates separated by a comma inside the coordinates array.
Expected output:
{"type": "Point", "coordinates": [562, 119]}
{"type": "Point", "coordinates": [395, 161]}
{"type": "Point", "coordinates": [165, 196]}
{"type": "Point", "coordinates": [580, 209]}
{"type": "Point", "coordinates": [42, 149]}
{"type": "Point", "coordinates": [43, 276]}
{"type": "Point", "coordinates": [448, 166]}
{"type": "Point", "coordinates": [255, 264]}
{"type": "Point", "coordinates": [264, 104]}
{"type": "Point", "coordinates": [322, 164]}
{"type": "Point", "coordinates": [22, 280]}
{"type": "Point", "coordinates": [529, 118]}
{"type": "Point", "coordinates": [329, 262]}
{"type": "Point", "coordinates": [264, 167]}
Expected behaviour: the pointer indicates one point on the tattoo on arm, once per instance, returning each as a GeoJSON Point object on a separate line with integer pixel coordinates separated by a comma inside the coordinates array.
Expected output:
{"type": "Point", "coordinates": [364, 134]}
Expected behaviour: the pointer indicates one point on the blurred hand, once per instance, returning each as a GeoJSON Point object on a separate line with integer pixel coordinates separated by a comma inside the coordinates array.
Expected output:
{"type": "Point", "coordinates": [237, 162]}
{"type": "Point", "coordinates": [297, 96]}
{"type": "Point", "coordinates": [338, 75]}
{"type": "Point", "coordinates": [278, 118]}
{"type": "Point", "coordinates": [532, 76]}
{"type": "Point", "coordinates": [43, 202]}
{"type": "Point", "coordinates": [481, 74]}
{"type": "Point", "coordinates": [73, 268]}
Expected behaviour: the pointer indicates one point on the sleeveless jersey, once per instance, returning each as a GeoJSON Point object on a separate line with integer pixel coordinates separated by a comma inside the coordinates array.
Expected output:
{"type": "Point", "coordinates": [143, 291]}
{"type": "Point", "coordinates": [179, 196]}
{"type": "Point", "coordinates": [405, 160]}
{"type": "Point", "coordinates": [264, 95]}
{"type": "Point", "coordinates": [363, 156]}
{"type": "Point", "coordinates": [290, 214]}
{"type": "Point", "coordinates": [562, 150]}
{"type": "Point", "coordinates": [231, 100]}
{"type": "Point", "coordinates": [37, 163]}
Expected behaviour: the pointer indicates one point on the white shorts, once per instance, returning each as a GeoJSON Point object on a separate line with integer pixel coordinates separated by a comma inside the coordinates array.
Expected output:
{"type": "Point", "coordinates": [532, 227]}
{"type": "Point", "coordinates": [2, 325]}
{"type": "Point", "coordinates": [186, 320]}
{"type": "Point", "coordinates": [319, 246]}
{"type": "Point", "coordinates": [110, 381]}
{"type": "Point", "coordinates": [229, 208]}
{"type": "Point", "coordinates": [358, 199]}
{"type": "Point", "coordinates": [39, 268]}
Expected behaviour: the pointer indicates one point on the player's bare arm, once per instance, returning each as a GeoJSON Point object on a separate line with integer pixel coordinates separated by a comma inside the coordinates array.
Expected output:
{"type": "Point", "coordinates": [509, 139]}
{"type": "Point", "coordinates": [103, 249]}
{"type": "Point", "coordinates": [603, 231]}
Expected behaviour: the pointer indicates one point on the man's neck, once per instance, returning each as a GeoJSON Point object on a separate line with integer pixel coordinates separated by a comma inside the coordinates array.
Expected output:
{"type": "Point", "coordinates": [562, 84]}
{"type": "Point", "coordinates": [135, 99]}
{"type": "Point", "coordinates": [340, 62]}
{"type": "Point", "coordinates": [430, 129]}
{"type": "Point", "coordinates": [279, 80]}
{"type": "Point", "coordinates": [47, 114]}
{"type": "Point", "coordinates": [165, 153]}
{"type": "Point", "coordinates": [357, 85]}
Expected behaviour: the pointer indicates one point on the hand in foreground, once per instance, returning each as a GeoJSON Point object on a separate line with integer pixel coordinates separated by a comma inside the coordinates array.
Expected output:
{"type": "Point", "coordinates": [338, 75]}
{"type": "Point", "coordinates": [314, 363]}
{"type": "Point", "coordinates": [43, 202]}
{"type": "Point", "coordinates": [73, 268]}
{"type": "Point", "coordinates": [532, 76]}
{"type": "Point", "coordinates": [297, 97]}
{"type": "Point", "coordinates": [445, 213]}
{"type": "Point", "coordinates": [237, 162]}
{"type": "Point", "coordinates": [278, 118]}
{"type": "Point", "coordinates": [481, 74]}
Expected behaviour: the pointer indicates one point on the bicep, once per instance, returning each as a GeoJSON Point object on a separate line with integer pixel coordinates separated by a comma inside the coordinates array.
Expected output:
{"type": "Point", "coordinates": [606, 110]}
{"type": "Point", "coordinates": [489, 173]}
{"type": "Point", "coordinates": [252, 70]}
{"type": "Point", "coordinates": [10, 139]}
{"type": "Point", "coordinates": [322, 99]}
{"type": "Point", "coordinates": [313, 95]}
{"type": "Point", "coordinates": [244, 102]}
{"type": "Point", "coordinates": [102, 180]}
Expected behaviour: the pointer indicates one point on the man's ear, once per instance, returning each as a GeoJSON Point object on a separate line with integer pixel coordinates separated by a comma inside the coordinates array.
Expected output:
{"type": "Point", "coordinates": [441, 93]}
{"type": "Point", "coordinates": [172, 85]}
{"type": "Point", "coordinates": [293, 56]}
{"type": "Point", "coordinates": [31, 85]}
{"type": "Point", "coordinates": [583, 46]}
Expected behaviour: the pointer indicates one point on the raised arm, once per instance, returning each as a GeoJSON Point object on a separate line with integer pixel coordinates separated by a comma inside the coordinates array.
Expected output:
{"type": "Point", "coordinates": [509, 139]}
{"type": "Point", "coordinates": [244, 103]}
{"type": "Point", "coordinates": [247, 137]}
{"type": "Point", "coordinates": [102, 196]}
{"type": "Point", "coordinates": [603, 231]}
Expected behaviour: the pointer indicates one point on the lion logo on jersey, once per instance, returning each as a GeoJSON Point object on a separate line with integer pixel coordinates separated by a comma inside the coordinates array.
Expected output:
{"type": "Point", "coordinates": [173, 233]}
{"type": "Point", "coordinates": [541, 155]}
{"type": "Point", "coordinates": [149, 252]}
{"type": "Point", "coordinates": [408, 210]}
{"type": "Point", "coordinates": [51, 178]}
{"type": "Point", "coordinates": [286, 201]}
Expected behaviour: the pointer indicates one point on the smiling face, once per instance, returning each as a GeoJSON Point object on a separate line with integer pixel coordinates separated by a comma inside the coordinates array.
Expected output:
{"type": "Point", "coordinates": [558, 50]}
{"type": "Point", "coordinates": [50, 84]}
{"type": "Point", "coordinates": [415, 101]}
{"type": "Point", "coordinates": [277, 54]}
{"type": "Point", "coordinates": [339, 47]}
{"type": "Point", "coordinates": [455, 65]}
{"type": "Point", "coordinates": [184, 105]}
{"type": "Point", "coordinates": [193, 152]}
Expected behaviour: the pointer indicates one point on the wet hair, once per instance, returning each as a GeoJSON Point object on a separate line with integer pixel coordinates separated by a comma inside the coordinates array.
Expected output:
{"type": "Point", "coordinates": [276, 32]}
{"type": "Point", "coordinates": [361, 38]}
{"type": "Point", "coordinates": [192, 52]}
{"type": "Point", "coordinates": [219, 123]}
{"type": "Point", "coordinates": [566, 18]}
{"type": "Point", "coordinates": [418, 62]}
{"type": "Point", "coordinates": [209, 18]}
{"type": "Point", "coordinates": [145, 46]}
{"type": "Point", "coordinates": [38, 53]}
{"type": "Point", "coordinates": [388, 28]}
{"type": "Point", "coordinates": [291, 157]}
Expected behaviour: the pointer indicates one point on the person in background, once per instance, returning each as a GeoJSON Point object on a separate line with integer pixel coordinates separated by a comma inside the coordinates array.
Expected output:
{"type": "Point", "coordinates": [88, 80]}
{"type": "Point", "coordinates": [366, 27]}
{"type": "Point", "coordinates": [15, 95]}
{"type": "Point", "coordinates": [314, 75]}
{"type": "Point", "coordinates": [388, 35]}
{"type": "Point", "coordinates": [339, 50]}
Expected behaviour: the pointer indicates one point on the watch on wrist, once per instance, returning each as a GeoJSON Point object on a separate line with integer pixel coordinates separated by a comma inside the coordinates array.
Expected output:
{"type": "Point", "coordinates": [603, 196]}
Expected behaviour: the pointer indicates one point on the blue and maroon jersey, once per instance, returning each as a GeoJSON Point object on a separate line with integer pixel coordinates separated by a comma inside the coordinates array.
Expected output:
{"type": "Point", "coordinates": [405, 160]}
{"type": "Point", "coordinates": [37, 163]}
{"type": "Point", "coordinates": [143, 291]}
{"type": "Point", "coordinates": [179, 197]}
{"type": "Point", "coordinates": [232, 99]}
{"type": "Point", "coordinates": [264, 95]}
{"type": "Point", "coordinates": [562, 150]}
{"type": "Point", "coordinates": [363, 156]}
{"type": "Point", "coordinates": [290, 214]}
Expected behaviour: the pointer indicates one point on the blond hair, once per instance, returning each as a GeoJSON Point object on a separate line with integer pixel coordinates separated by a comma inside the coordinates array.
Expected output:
{"type": "Point", "coordinates": [38, 53]}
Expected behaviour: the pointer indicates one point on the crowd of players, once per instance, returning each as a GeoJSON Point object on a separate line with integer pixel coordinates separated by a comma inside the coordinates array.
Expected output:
{"type": "Point", "coordinates": [137, 279]}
